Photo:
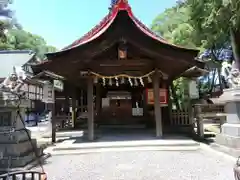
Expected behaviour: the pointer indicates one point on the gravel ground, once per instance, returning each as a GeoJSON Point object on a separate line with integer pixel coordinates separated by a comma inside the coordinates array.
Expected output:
{"type": "Point", "coordinates": [199, 165]}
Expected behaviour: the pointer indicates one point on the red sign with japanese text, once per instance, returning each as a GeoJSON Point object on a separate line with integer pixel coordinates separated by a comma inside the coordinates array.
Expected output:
{"type": "Point", "coordinates": [162, 96]}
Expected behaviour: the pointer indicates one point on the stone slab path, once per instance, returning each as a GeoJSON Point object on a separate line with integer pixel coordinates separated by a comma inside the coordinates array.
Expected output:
{"type": "Point", "coordinates": [141, 165]}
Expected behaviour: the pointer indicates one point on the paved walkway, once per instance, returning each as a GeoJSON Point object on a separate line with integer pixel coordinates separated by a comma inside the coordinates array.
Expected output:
{"type": "Point", "coordinates": [137, 164]}
{"type": "Point", "coordinates": [141, 165]}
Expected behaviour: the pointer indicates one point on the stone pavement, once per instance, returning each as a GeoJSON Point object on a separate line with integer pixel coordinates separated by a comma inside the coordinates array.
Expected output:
{"type": "Point", "coordinates": [131, 161]}
{"type": "Point", "coordinates": [141, 165]}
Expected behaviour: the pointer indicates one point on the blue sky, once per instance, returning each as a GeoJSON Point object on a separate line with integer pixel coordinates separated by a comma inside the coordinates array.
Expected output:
{"type": "Point", "coordinates": [61, 22]}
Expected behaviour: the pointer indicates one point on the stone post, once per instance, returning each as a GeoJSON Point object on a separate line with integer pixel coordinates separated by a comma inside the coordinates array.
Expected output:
{"type": "Point", "coordinates": [15, 146]}
{"type": "Point", "coordinates": [230, 131]}
{"type": "Point", "coordinates": [199, 119]}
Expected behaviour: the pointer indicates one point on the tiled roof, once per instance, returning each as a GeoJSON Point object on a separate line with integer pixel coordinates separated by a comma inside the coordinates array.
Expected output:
{"type": "Point", "coordinates": [11, 58]}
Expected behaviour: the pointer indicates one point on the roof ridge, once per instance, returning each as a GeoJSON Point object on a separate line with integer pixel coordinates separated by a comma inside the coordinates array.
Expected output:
{"type": "Point", "coordinates": [121, 5]}
{"type": "Point", "coordinates": [93, 30]}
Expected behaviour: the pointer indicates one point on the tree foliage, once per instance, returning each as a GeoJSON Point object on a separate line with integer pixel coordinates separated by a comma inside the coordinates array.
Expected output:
{"type": "Point", "coordinates": [216, 25]}
{"type": "Point", "coordinates": [7, 19]}
{"type": "Point", "coordinates": [173, 25]}
{"type": "Point", "coordinates": [212, 20]}
{"type": "Point", "coordinates": [207, 25]}
{"type": "Point", "coordinates": [13, 37]}
{"type": "Point", "coordinates": [23, 40]}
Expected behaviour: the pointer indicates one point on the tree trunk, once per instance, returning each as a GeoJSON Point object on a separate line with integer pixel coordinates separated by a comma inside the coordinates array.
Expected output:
{"type": "Point", "coordinates": [175, 99]}
{"type": "Point", "coordinates": [212, 83]}
{"type": "Point", "coordinates": [235, 42]}
{"type": "Point", "coordinates": [220, 79]}
{"type": "Point", "coordinates": [218, 70]}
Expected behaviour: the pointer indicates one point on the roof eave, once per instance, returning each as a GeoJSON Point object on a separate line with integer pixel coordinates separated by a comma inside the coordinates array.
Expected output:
{"type": "Point", "coordinates": [48, 75]}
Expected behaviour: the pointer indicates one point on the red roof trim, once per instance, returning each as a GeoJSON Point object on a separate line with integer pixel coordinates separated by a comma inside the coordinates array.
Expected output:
{"type": "Point", "coordinates": [122, 5]}
{"type": "Point", "coordinates": [94, 33]}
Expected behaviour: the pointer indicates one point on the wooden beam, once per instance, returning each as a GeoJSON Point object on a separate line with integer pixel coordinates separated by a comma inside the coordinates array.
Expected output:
{"type": "Point", "coordinates": [164, 54]}
{"type": "Point", "coordinates": [123, 62]}
{"type": "Point", "coordinates": [94, 50]}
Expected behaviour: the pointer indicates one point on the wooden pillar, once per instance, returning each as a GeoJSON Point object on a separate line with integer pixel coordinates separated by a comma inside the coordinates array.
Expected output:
{"type": "Point", "coordinates": [98, 99]}
{"type": "Point", "coordinates": [66, 104]}
{"type": "Point", "coordinates": [90, 109]}
{"type": "Point", "coordinates": [145, 110]}
{"type": "Point", "coordinates": [80, 101]}
{"type": "Point", "coordinates": [54, 123]}
{"type": "Point", "coordinates": [74, 115]}
{"type": "Point", "coordinates": [83, 102]}
{"type": "Point", "coordinates": [169, 105]}
{"type": "Point", "coordinates": [157, 108]}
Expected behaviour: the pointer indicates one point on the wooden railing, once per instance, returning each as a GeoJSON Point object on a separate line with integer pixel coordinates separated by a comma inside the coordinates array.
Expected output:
{"type": "Point", "coordinates": [192, 117]}
{"type": "Point", "coordinates": [196, 116]}
{"type": "Point", "coordinates": [24, 175]}
{"type": "Point", "coordinates": [181, 117]}
{"type": "Point", "coordinates": [63, 121]}
{"type": "Point", "coordinates": [207, 111]}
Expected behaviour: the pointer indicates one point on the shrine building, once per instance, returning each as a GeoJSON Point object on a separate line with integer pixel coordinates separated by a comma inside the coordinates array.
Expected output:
{"type": "Point", "coordinates": [119, 73]}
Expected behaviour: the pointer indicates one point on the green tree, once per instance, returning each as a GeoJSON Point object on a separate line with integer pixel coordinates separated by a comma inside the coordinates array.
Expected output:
{"type": "Point", "coordinates": [216, 22]}
{"type": "Point", "coordinates": [173, 25]}
{"type": "Point", "coordinates": [8, 19]}
{"type": "Point", "coordinates": [23, 40]}
{"type": "Point", "coordinates": [13, 37]}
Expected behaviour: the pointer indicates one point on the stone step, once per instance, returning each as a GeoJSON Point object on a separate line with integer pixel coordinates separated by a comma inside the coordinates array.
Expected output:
{"type": "Point", "coordinates": [16, 162]}
{"type": "Point", "coordinates": [17, 148]}
{"type": "Point", "coordinates": [230, 151]}
{"type": "Point", "coordinates": [65, 134]}
{"type": "Point", "coordinates": [16, 137]}
{"type": "Point", "coordinates": [164, 145]}
{"type": "Point", "coordinates": [122, 149]}
{"type": "Point", "coordinates": [123, 126]}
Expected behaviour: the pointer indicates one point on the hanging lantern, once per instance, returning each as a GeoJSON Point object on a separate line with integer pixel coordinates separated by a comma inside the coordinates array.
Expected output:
{"type": "Point", "coordinates": [117, 84]}
{"type": "Point", "coordinates": [122, 50]}
{"type": "Point", "coordinates": [96, 80]}
{"type": "Point", "coordinates": [122, 80]}
{"type": "Point", "coordinates": [110, 82]}
{"type": "Point", "coordinates": [130, 81]}
{"type": "Point", "coordinates": [43, 176]}
{"type": "Point", "coordinates": [104, 82]}
{"type": "Point", "coordinates": [141, 82]}
{"type": "Point", "coordinates": [149, 79]}
{"type": "Point", "coordinates": [135, 82]}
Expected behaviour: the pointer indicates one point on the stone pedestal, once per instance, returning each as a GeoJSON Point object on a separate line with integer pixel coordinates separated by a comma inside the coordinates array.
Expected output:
{"type": "Point", "coordinates": [230, 134]}
{"type": "Point", "coordinates": [15, 145]}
